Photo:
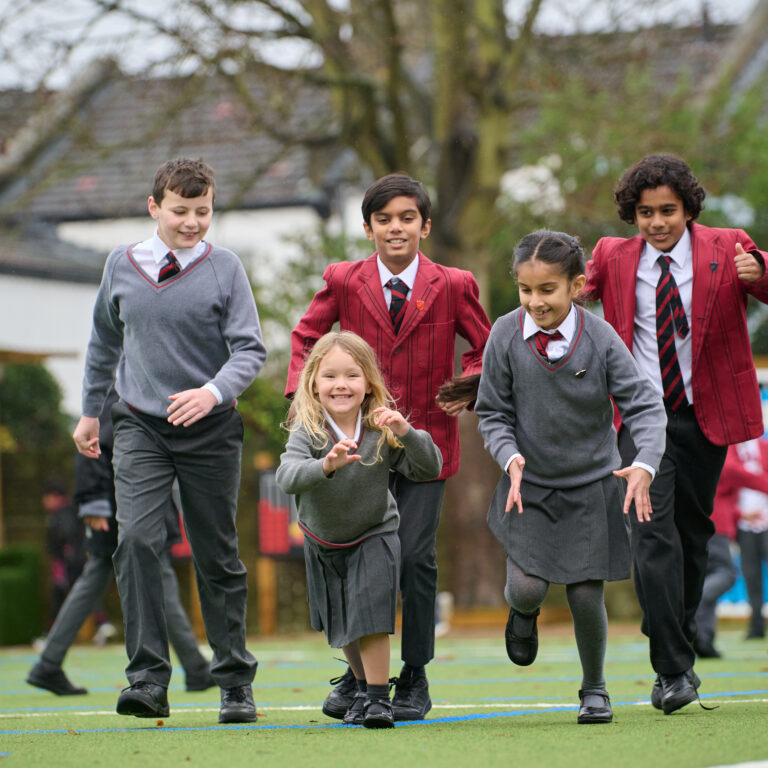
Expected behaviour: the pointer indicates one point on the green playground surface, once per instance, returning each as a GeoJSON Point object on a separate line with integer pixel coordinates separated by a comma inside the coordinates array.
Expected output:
{"type": "Point", "coordinates": [486, 711]}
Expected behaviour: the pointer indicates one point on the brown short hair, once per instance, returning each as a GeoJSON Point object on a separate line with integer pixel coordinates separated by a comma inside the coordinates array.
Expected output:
{"type": "Point", "coordinates": [185, 177]}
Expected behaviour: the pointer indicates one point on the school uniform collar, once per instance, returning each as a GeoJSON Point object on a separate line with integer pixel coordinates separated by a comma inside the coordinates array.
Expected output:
{"type": "Point", "coordinates": [567, 328]}
{"type": "Point", "coordinates": [337, 431]}
{"type": "Point", "coordinates": [408, 275]}
{"type": "Point", "coordinates": [185, 256]}
{"type": "Point", "coordinates": [681, 254]}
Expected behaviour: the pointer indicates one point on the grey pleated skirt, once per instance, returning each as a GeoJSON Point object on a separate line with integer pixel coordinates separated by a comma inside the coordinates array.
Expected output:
{"type": "Point", "coordinates": [565, 536]}
{"type": "Point", "coordinates": [352, 591]}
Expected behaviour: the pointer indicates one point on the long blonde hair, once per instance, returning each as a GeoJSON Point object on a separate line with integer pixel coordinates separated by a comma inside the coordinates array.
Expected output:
{"type": "Point", "coordinates": [307, 411]}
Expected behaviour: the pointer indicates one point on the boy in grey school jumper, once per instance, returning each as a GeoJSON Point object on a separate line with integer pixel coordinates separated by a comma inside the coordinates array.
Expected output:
{"type": "Point", "coordinates": [176, 321]}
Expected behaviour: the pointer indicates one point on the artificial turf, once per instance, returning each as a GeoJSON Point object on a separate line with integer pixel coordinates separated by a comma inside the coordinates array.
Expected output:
{"type": "Point", "coordinates": [487, 712]}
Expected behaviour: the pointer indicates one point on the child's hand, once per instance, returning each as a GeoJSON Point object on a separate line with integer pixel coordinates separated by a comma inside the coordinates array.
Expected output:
{"type": "Point", "coordinates": [86, 437]}
{"type": "Point", "coordinates": [747, 266]}
{"type": "Point", "coordinates": [392, 419]}
{"type": "Point", "coordinates": [515, 470]}
{"type": "Point", "coordinates": [638, 483]}
{"type": "Point", "coordinates": [455, 407]}
{"type": "Point", "coordinates": [97, 523]}
{"type": "Point", "coordinates": [190, 406]}
{"type": "Point", "coordinates": [340, 456]}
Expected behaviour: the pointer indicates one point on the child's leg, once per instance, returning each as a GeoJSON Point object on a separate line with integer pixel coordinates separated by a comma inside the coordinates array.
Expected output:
{"type": "Point", "coordinates": [352, 654]}
{"type": "Point", "coordinates": [524, 593]}
{"type": "Point", "coordinates": [590, 625]}
{"type": "Point", "coordinates": [374, 651]}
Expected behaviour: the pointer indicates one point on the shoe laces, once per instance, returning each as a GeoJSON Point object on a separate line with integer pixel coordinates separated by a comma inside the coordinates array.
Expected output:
{"type": "Point", "coordinates": [138, 685]}
{"type": "Point", "coordinates": [239, 693]}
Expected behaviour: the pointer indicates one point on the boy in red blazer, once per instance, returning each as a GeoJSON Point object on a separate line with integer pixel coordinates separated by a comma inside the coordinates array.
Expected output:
{"type": "Point", "coordinates": [677, 293]}
{"type": "Point", "coordinates": [409, 310]}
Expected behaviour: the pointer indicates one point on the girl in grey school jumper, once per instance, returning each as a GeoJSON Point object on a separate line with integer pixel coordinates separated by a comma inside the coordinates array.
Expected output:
{"type": "Point", "coordinates": [344, 440]}
{"type": "Point", "coordinates": [549, 371]}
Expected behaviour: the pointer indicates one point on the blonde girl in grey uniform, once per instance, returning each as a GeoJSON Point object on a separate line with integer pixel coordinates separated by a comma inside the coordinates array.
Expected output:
{"type": "Point", "coordinates": [345, 439]}
{"type": "Point", "coordinates": [549, 371]}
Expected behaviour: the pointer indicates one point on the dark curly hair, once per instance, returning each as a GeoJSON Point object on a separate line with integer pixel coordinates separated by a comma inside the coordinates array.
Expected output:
{"type": "Point", "coordinates": [658, 171]}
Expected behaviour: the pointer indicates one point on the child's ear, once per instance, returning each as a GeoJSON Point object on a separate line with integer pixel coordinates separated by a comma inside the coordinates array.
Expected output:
{"type": "Point", "coordinates": [368, 231]}
{"type": "Point", "coordinates": [153, 207]}
{"type": "Point", "coordinates": [577, 284]}
{"type": "Point", "coordinates": [426, 228]}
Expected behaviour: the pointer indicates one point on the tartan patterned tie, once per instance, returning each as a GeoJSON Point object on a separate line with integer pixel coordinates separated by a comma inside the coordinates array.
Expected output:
{"type": "Point", "coordinates": [670, 316]}
{"type": "Point", "coordinates": [399, 301]}
{"type": "Point", "coordinates": [542, 339]}
{"type": "Point", "coordinates": [170, 268]}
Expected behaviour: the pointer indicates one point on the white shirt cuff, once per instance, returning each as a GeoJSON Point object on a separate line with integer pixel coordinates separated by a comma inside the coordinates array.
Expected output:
{"type": "Point", "coordinates": [214, 390]}
{"type": "Point", "coordinates": [645, 467]}
{"type": "Point", "coordinates": [510, 460]}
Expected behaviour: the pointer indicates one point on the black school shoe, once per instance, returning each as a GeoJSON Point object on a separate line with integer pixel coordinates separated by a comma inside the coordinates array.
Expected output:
{"type": "Point", "coordinates": [338, 702]}
{"type": "Point", "coordinates": [595, 712]}
{"type": "Point", "coordinates": [354, 715]}
{"type": "Point", "coordinates": [411, 700]}
{"type": "Point", "coordinates": [522, 649]}
{"type": "Point", "coordinates": [377, 713]}
{"type": "Point", "coordinates": [657, 694]}
{"type": "Point", "coordinates": [237, 705]}
{"type": "Point", "coordinates": [55, 682]}
{"type": "Point", "coordinates": [143, 699]}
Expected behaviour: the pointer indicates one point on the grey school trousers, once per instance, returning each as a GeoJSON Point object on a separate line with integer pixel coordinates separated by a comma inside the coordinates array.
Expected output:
{"type": "Point", "coordinates": [419, 507]}
{"type": "Point", "coordinates": [85, 596]}
{"type": "Point", "coordinates": [148, 453]}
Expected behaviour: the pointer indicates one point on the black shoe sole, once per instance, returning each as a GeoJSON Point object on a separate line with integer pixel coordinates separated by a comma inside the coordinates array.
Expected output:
{"type": "Point", "coordinates": [334, 712]}
{"type": "Point", "coordinates": [136, 709]}
{"type": "Point", "coordinates": [57, 691]}
{"type": "Point", "coordinates": [594, 719]}
{"type": "Point", "coordinates": [378, 722]}
{"type": "Point", "coordinates": [237, 717]}
{"type": "Point", "coordinates": [403, 715]}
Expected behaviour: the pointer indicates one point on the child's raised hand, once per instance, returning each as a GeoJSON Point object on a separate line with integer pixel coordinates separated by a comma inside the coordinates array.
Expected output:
{"type": "Point", "coordinates": [86, 437]}
{"type": "Point", "coordinates": [747, 266]}
{"type": "Point", "coordinates": [515, 471]}
{"type": "Point", "coordinates": [638, 483]}
{"type": "Point", "coordinates": [340, 456]}
{"type": "Point", "coordinates": [392, 419]}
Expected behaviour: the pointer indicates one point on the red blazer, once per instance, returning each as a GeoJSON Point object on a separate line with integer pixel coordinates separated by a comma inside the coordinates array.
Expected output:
{"type": "Point", "coordinates": [733, 478]}
{"type": "Point", "coordinates": [418, 359]}
{"type": "Point", "coordinates": [726, 397]}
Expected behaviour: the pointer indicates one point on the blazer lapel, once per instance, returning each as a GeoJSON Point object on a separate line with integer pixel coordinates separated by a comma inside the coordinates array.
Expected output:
{"type": "Point", "coordinates": [708, 268]}
{"type": "Point", "coordinates": [372, 294]}
{"type": "Point", "coordinates": [623, 271]}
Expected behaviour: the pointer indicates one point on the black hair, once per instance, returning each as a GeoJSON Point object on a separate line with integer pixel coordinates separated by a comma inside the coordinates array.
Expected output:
{"type": "Point", "coordinates": [395, 185]}
{"type": "Point", "coordinates": [557, 248]}
{"type": "Point", "coordinates": [658, 171]}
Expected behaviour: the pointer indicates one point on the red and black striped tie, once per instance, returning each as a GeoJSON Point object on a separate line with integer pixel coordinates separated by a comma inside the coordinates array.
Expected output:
{"type": "Point", "coordinates": [399, 301]}
{"type": "Point", "coordinates": [670, 317]}
{"type": "Point", "coordinates": [170, 268]}
{"type": "Point", "coordinates": [542, 340]}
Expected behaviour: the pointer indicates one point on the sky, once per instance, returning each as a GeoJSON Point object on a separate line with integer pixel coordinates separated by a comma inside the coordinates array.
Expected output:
{"type": "Point", "coordinates": [27, 25]}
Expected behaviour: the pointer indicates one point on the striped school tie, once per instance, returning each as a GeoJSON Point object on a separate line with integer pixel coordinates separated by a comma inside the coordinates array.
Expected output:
{"type": "Point", "coordinates": [170, 268]}
{"type": "Point", "coordinates": [542, 339]}
{"type": "Point", "coordinates": [399, 301]}
{"type": "Point", "coordinates": [670, 317]}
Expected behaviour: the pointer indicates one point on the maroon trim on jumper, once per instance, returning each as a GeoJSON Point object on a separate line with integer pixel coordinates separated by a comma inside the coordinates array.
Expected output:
{"type": "Point", "coordinates": [170, 280]}
{"type": "Point", "coordinates": [347, 545]}
{"type": "Point", "coordinates": [531, 341]}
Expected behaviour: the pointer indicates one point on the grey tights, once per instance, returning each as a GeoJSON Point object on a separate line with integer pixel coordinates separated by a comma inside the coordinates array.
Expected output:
{"type": "Point", "coordinates": [526, 593]}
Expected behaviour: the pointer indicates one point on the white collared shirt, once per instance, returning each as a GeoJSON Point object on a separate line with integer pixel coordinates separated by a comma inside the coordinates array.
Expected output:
{"type": "Point", "coordinates": [150, 255]}
{"type": "Point", "coordinates": [408, 276]}
{"type": "Point", "coordinates": [645, 346]}
{"type": "Point", "coordinates": [339, 433]}
{"type": "Point", "coordinates": [557, 347]}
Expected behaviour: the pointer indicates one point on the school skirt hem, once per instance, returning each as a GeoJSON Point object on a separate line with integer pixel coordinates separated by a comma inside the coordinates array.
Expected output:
{"type": "Point", "coordinates": [352, 591]}
{"type": "Point", "coordinates": [565, 536]}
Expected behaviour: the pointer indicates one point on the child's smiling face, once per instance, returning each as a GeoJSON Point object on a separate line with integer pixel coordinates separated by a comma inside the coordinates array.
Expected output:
{"type": "Point", "coordinates": [396, 230]}
{"type": "Point", "coordinates": [546, 292]}
{"type": "Point", "coordinates": [340, 385]}
{"type": "Point", "coordinates": [661, 217]}
{"type": "Point", "coordinates": [182, 222]}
